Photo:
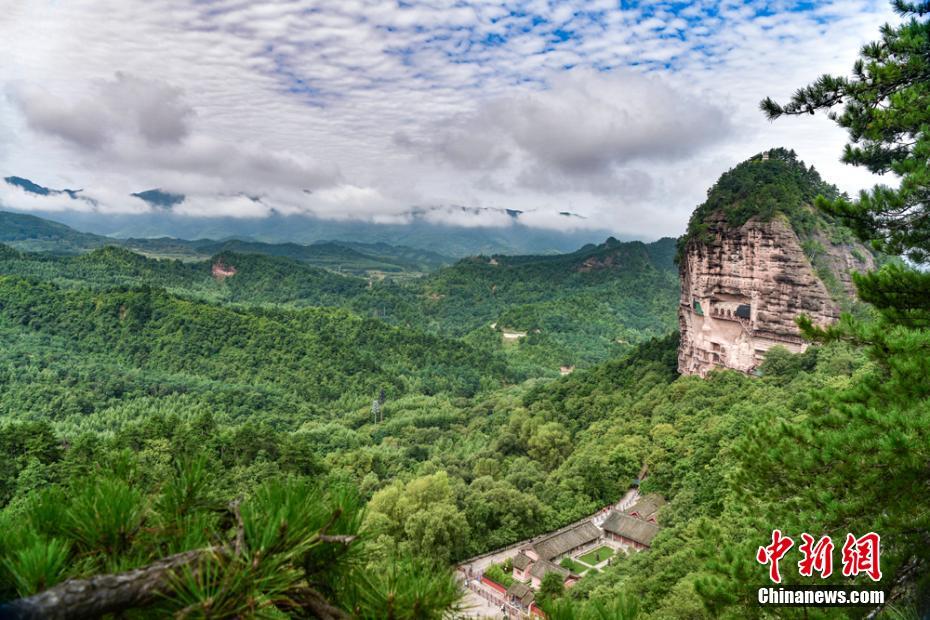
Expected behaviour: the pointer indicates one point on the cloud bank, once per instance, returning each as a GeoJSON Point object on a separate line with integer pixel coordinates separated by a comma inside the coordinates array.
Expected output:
{"type": "Point", "coordinates": [583, 133]}
{"type": "Point", "coordinates": [622, 112]}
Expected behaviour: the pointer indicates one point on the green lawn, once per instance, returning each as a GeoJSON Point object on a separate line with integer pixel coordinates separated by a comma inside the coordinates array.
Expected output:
{"type": "Point", "coordinates": [496, 573]}
{"type": "Point", "coordinates": [573, 566]}
{"type": "Point", "coordinates": [598, 555]}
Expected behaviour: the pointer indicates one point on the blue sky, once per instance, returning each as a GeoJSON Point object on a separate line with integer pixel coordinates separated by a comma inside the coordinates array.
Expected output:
{"type": "Point", "coordinates": [623, 111]}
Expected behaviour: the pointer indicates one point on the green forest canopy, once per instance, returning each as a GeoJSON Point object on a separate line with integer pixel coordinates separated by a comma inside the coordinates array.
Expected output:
{"type": "Point", "coordinates": [144, 423]}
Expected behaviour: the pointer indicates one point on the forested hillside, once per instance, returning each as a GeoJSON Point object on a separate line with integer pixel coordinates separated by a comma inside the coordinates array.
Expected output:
{"type": "Point", "coordinates": [309, 357]}
{"type": "Point", "coordinates": [341, 256]}
{"type": "Point", "coordinates": [565, 309]}
{"type": "Point", "coordinates": [572, 309]}
{"type": "Point", "coordinates": [162, 390]}
{"type": "Point", "coordinates": [770, 183]}
{"type": "Point", "coordinates": [30, 233]}
{"type": "Point", "coordinates": [244, 368]}
{"type": "Point", "coordinates": [447, 477]}
{"type": "Point", "coordinates": [248, 434]}
{"type": "Point", "coordinates": [34, 233]}
{"type": "Point", "coordinates": [130, 388]}
{"type": "Point", "coordinates": [259, 279]}
{"type": "Point", "coordinates": [151, 406]}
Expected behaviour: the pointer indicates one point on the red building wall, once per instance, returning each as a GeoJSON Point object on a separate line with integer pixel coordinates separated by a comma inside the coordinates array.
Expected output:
{"type": "Point", "coordinates": [494, 585]}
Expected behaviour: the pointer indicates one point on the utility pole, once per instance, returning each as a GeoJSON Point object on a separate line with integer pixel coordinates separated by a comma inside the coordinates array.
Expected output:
{"type": "Point", "coordinates": [382, 397]}
{"type": "Point", "coordinates": [377, 407]}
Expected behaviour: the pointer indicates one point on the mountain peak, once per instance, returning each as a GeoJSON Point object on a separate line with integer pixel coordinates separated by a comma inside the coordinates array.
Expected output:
{"type": "Point", "coordinates": [31, 187]}
{"type": "Point", "coordinates": [758, 232]}
{"type": "Point", "coordinates": [765, 185]}
{"type": "Point", "coordinates": [158, 198]}
{"type": "Point", "coordinates": [27, 185]}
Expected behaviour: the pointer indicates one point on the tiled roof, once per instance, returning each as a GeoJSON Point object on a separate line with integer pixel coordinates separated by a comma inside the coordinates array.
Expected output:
{"type": "Point", "coordinates": [522, 591]}
{"type": "Point", "coordinates": [564, 542]}
{"type": "Point", "coordinates": [542, 567]}
{"type": "Point", "coordinates": [521, 561]}
{"type": "Point", "coordinates": [647, 506]}
{"type": "Point", "coordinates": [518, 589]}
{"type": "Point", "coordinates": [629, 527]}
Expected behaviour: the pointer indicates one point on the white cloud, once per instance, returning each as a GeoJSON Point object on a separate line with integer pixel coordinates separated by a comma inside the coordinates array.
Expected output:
{"type": "Point", "coordinates": [238, 206]}
{"type": "Point", "coordinates": [135, 124]}
{"type": "Point", "coordinates": [468, 217]}
{"type": "Point", "coordinates": [87, 201]}
{"type": "Point", "coordinates": [625, 114]}
{"type": "Point", "coordinates": [129, 107]}
{"type": "Point", "coordinates": [582, 129]}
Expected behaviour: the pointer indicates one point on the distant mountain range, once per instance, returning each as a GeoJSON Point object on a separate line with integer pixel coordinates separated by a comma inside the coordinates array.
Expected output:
{"type": "Point", "coordinates": [423, 229]}
{"type": "Point", "coordinates": [35, 234]}
{"type": "Point", "coordinates": [544, 311]}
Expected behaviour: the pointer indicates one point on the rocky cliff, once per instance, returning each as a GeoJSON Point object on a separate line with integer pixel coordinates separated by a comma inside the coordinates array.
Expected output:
{"type": "Point", "coordinates": [745, 279]}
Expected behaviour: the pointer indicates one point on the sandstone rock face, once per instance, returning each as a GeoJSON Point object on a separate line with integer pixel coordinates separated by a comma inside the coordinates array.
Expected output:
{"type": "Point", "coordinates": [742, 288]}
{"type": "Point", "coordinates": [221, 270]}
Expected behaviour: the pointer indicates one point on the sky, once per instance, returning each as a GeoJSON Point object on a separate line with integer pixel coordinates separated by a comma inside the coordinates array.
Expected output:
{"type": "Point", "coordinates": [623, 112]}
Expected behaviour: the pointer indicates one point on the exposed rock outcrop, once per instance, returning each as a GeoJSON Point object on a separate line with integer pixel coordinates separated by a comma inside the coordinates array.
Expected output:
{"type": "Point", "coordinates": [743, 286]}
{"type": "Point", "coordinates": [221, 270]}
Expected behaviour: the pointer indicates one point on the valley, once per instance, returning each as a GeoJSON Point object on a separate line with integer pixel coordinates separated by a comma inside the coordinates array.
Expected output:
{"type": "Point", "coordinates": [415, 310]}
{"type": "Point", "coordinates": [441, 398]}
{"type": "Point", "coordinates": [577, 308]}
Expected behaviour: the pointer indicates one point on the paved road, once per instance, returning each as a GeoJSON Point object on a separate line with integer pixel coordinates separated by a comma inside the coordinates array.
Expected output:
{"type": "Point", "coordinates": [477, 607]}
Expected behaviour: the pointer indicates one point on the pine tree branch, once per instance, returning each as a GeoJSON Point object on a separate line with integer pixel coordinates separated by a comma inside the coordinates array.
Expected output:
{"type": "Point", "coordinates": [240, 526]}
{"type": "Point", "coordinates": [338, 539]}
{"type": "Point", "coordinates": [80, 599]}
{"type": "Point", "coordinates": [895, 591]}
{"type": "Point", "coordinates": [308, 598]}
{"type": "Point", "coordinates": [77, 599]}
